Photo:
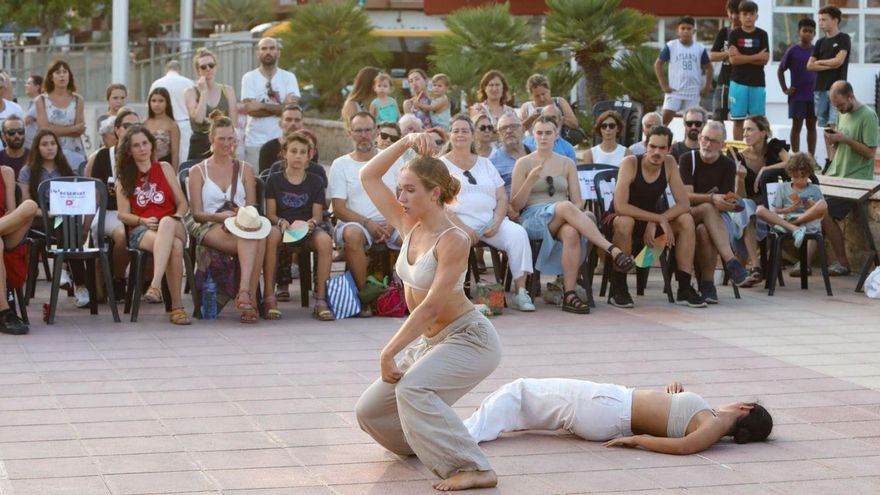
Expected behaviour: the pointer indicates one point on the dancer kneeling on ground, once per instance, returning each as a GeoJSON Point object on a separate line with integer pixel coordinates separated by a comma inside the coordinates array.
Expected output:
{"type": "Point", "coordinates": [805, 212]}
{"type": "Point", "coordinates": [546, 185]}
{"type": "Point", "coordinates": [152, 205]}
{"type": "Point", "coordinates": [670, 422]}
{"type": "Point", "coordinates": [481, 207]}
{"type": "Point", "coordinates": [295, 194]}
{"type": "Point", "coordinates": [448, 346]}
{"type": "Point", "coordinates": [639, 209]}
{"type": "Point", "coordinates": [219, 186]}
{"type": "Point", "coordinates": [14, 225]}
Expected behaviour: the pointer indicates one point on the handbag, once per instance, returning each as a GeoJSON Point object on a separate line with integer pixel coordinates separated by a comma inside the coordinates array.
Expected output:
{"type": "Point", "coordinates": [392, 302]}
{"type": "Point", "coordinates": [342, 296]}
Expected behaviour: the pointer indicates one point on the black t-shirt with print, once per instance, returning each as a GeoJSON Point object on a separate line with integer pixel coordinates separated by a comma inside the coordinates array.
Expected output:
{"type": "Point", "coordinates": [749, 44]}
{"type": "Point", "coordinates": [827, 48]}
{"type": "Point", "coordinates": [720, 174]}
{"type": "Point", "coordinates": [721, 45]}
{"type": "Point", "coordinates": [294, 201]}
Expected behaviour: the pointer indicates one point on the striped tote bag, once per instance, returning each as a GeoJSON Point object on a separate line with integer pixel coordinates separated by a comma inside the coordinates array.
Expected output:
{"type": "Point", "coordinates": [342, 296]}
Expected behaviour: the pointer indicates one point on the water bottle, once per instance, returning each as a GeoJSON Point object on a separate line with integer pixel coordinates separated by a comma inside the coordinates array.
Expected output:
{"type": "Point", "coordinates": [209, 299]}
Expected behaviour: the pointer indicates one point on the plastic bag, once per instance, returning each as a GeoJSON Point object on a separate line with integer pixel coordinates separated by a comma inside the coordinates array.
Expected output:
{"type": "Point", "coordinates": [492, 295]}
{"type": "Point", "coordinates": [872, 284]}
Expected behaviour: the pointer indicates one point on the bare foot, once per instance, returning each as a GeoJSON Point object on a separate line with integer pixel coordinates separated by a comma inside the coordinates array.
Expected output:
{"type": "Point", "coordinates": [466, 480]}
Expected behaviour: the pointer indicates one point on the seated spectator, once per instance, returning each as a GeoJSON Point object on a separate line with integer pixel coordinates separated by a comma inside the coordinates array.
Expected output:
{"type": "Point", "coordinates": [710, 179]}
{"type": "Point", "coordinates": [639, 194]}
{"type": "Point", "coordinates": [47, 161]}
{"type": "Point", "coordinates": [504, 157]}
{"type": "Point", "coordinates": [694, 119]}
{"type": "Point", "coordinates": [547, 190]}
{"type": "Point", "coordinates": [359, 223]}
{"type": "Point", "coordinates": [609, 125]}
{"type": "Point", "coordinates": [117, 95]}
{"type": "Point", "coordinates": [102, 166]}
{"type": "Point", "coordinates": [649, 120]}
{"type": "Point", "coordinates": [538, 87]}
{"type": "Point", "coordinates": [493, 98]}
{"type": "Point", "coordinates": [561, 146]}
{"type": "Point", "coordinates": [314, 167]}
{"type": "Point", "coordinates": [296, 195]}
{"type": "Point", "coordinates": [762, 155]}
{"type": "Point", "coordinates": [14, 225]}
{"type": "Point", "coordinates": [409, 123]}
{"type": "Point", "coordinates": [160, 122]}
{"type": "Point", "coordinates": [799, 205]}
{"type": "Point", "coordinates": [14, 155]}
{"type": "Point", "coordinates": [152, 207]}
{"type": "Point", "coordinates": [220, 186]}
{"type": "Point", "coordinates": [389, 133]}
{"type": "Point", "coordinates": [107, 134]}
{"type": "Point", "coordinates": [291, 121]}
{"type": "Point", "coordinates": [485, 138]}
{"type": "Point", "coordinates": [481, 207]}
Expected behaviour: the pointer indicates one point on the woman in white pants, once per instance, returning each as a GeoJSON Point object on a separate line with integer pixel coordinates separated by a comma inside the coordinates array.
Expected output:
{"type": "Point", "coordinates": [481, 207]}
{"type": "Point", "coordinates": [670, 422]}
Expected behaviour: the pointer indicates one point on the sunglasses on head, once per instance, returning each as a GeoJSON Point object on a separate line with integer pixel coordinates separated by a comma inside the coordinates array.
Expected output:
{"type": "Point", "coordinates": [486, 127]}
{"type": "Point", "coordinates": [389, 137]}
{"type": "Point", "coordinates": [551, 189]}
{"type": "Point", "coordinates": [694, 123]}
{"type": "Point", "coordinates": [207, 66]}
{"type": "Point", "coordinates": [470, 177]}
{"type": "Point", "coordinates": [13, 132]}
{"type": "Point", "coordinates": [608, 125]}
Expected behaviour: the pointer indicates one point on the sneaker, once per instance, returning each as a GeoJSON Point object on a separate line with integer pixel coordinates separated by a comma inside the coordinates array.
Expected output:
{"type": "Point", "coordinates": [779, 229]}
{"type": "Point", "coordinates": [838, 270]}
{"type": "Point", "coordinates": [799, 236]}
{"type": "Point", "coordinates": [620, 298]}
{"type": "Point", "coordinates": [689, 297]}
{"type": "Point", "coordinates": [522, 301]}
{"type": "Point", "coordinates": [796, 271]}
{"type": "Point", "coordinates": [709, 293]}
{"type": "Point", "coordinates": [66, 280]}
{"type": "Point", "coordinates": [82, 297]}
{"type": "Point", "coordinates": [736, 271]}
{"type": "Point", "coordinates": [11, 324]}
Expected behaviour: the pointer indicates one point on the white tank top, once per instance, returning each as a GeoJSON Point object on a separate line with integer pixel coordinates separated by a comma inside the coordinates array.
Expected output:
{"type": "Point", "coordinates": [614, 158]}
{"type": "Point", "coordinates": [213, 197]}
{"type": "Point", "coordinates": [683, 408]}
{"type": "Point", "coordinates": [420, 274]}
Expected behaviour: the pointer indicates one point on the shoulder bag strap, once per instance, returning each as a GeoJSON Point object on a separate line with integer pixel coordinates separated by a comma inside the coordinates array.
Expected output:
{"type": "Point", "coordinates": [236, 168]}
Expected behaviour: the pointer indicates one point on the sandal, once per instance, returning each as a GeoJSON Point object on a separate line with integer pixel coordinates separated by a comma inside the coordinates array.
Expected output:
{"type": "Point", "coordinates": [178, 316]}
{"type": "Point", "coordinates": [322, 312]}
{"type": "Point", "coordinates": [153, 295]}
{"type": "Point", "coordinates": [270, 308]}
{"type": "Point", "coordinates": [248, 312]}
{"type": "Point", "coordinates": [622, 262]}
{"type": "Point", "coordinates": [282, 295]}
{"type": "Point", "coordinates": [571, 303]}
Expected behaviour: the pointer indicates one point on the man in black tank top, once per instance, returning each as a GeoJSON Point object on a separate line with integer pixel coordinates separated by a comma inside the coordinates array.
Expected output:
{"type": "Point", "coordinates": [640, 206]}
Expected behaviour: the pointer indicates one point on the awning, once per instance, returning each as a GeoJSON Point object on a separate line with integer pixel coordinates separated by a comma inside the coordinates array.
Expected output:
{"type": "Point", "coordinates": [283, 27]}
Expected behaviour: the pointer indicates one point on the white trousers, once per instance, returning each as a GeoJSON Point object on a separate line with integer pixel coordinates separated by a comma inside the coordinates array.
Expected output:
{"type": "Point", "coordinates": [185, 133]}
{"type": "Point", "coordinates": [513, 240]}
{"type": "Point", "coordinates": [592, 411]}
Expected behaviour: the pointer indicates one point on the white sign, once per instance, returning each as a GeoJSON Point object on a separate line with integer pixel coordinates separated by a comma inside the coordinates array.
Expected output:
{"type": "Point", "coordinates": [72, 198]}
{"type": "Point", "coordinates": [588, 188]}
{"type": "Point", "coordinates": [606, 188]}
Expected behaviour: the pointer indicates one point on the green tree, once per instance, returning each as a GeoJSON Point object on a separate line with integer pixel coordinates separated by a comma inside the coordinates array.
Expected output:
{"type": "Point", "coordinates": [593, 32]}
{"type": "Point", "coordinates": [47, 15]}
{"type": "Point", "coordinates": [328, 43]}
{"type": "Point", "coordinates": [481, 39]}
{"type": "Point", "coordinates": [632, 74]}
{"type": "Point", "coordinates": [240, 14]}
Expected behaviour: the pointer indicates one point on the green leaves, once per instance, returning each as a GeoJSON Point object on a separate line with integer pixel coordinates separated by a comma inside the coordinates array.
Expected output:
{"type": "Point", "coordinates": [327, 43]}
{"type": "Point", "coordinates": [240, 14]}
{"type": "Point", "coordinates": [632, 73]}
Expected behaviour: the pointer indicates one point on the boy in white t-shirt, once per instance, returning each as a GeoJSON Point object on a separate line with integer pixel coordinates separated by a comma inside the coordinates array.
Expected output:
{"type": "Point", "coordinates": [264, 92]}
{"type": "Point", "coordinates": [688, 61]}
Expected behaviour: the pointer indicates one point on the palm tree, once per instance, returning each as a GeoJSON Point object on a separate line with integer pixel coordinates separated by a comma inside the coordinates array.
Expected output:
{"type": "Point", "coordinates": [481, 39]}
{"type": "Point", "coordinates": [328, 43]}
{"type": "Point", "coordinates": [632, 74]}
{"type": "Point", "coordinates": [239, 14]}
{"type": "Point", "coordinates": [593, 32]}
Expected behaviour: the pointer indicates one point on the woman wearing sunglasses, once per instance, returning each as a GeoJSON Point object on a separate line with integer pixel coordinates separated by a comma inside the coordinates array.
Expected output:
{"type": "Point", "coordinates": [609, 125]}
{"type": "Point", "coordinates": [545, 187]}
{"type": "Point", "coordinates": [389, 133]}
{"type": "Point", "coordinates": [203, 99]}
{"type": "Point", "coordinates": [484, 135]}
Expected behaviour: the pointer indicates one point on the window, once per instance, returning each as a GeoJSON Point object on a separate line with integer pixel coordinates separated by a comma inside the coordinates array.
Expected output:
{"type": "Point", "coordinates": [850, 25]}
{"type": "Point", "coordinates": [706, 29]}
{"type": "Point", "coordinates": [872, 39]}
{"type": "Point", "coordinates": [861, 21]}
{"type": "Point", "coordinates": [785, 32]}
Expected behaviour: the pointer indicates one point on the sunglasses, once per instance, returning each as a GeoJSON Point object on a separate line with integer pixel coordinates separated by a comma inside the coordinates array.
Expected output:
{"type": "Point", "coordinates": [471, 179]}
{"type": "Point", "coordinates": [207, 66]}
{"type": "Point", "coordinates": [694, 123]}
{"type": "Point", "coordinates": [610, 125]}
{"type": "Point", "coordinates": [486, 128]}
{"type": "Point", "coordinates": [13, 132]}
{"type": "Point", "coordinates": [439, 142]}
{"type": "Point", "coordinates": [271, 93]}
{"type": "Point", "coordinates": [551, 189]}
{"type": "Point", "coordinates": [389, 137]}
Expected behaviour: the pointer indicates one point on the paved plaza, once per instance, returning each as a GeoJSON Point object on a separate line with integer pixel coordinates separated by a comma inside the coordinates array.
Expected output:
{"type": "Point", "coordinates": [91, 407]}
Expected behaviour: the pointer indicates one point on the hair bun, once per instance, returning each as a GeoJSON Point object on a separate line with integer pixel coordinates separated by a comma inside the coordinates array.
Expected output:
{"type": "Point", "coordinates": [742, 435]}
{"type": "Point", "coordinates": [216, 114]}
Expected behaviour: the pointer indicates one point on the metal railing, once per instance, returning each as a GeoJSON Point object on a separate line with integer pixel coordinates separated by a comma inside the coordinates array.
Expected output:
{"type": "Point", "coordinates": [90, 63]}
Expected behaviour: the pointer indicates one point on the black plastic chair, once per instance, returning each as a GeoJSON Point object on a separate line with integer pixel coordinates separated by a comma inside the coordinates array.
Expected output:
{"type": "Point", "coordinates": [69, 245]}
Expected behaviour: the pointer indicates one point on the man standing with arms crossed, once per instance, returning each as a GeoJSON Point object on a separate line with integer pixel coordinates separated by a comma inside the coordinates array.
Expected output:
{"type": "Point", "coordinates": [749, 53]}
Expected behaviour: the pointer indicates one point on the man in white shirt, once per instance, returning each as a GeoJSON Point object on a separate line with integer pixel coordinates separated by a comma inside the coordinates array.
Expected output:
{"type": "Point", "coordinates": [176, 85]}
{"type": "Point", "coordinates": [8, 107]}
{"type": "Point", "coordinates": [264, 92]}
{"type": "Point", "coordinates": [359, 223]}
{"type": "Point", "coordinates": [648, 122]}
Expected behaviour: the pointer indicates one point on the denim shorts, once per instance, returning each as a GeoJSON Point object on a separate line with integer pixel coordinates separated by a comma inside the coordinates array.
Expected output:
{"type": "Point", "coordinates": [826, 114]}
{"type": "Point", "coordinates": [135, 236]}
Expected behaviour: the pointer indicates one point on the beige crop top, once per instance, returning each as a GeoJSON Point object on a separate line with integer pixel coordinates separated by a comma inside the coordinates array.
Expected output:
{"type": "Point", "coordinates": [420, 274]}
{"type": "Point", "coordinates": [540, 193]}
{"type": "Point", "coordinates": [684, 406]}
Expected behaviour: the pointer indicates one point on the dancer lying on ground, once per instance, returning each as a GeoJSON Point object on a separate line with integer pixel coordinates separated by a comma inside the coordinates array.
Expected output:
{"type": "Point", "coordinates": [670, 422]}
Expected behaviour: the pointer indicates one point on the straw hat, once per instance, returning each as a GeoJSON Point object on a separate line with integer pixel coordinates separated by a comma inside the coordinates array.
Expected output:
{"type": "Point", "coordinates": [248, 224]}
